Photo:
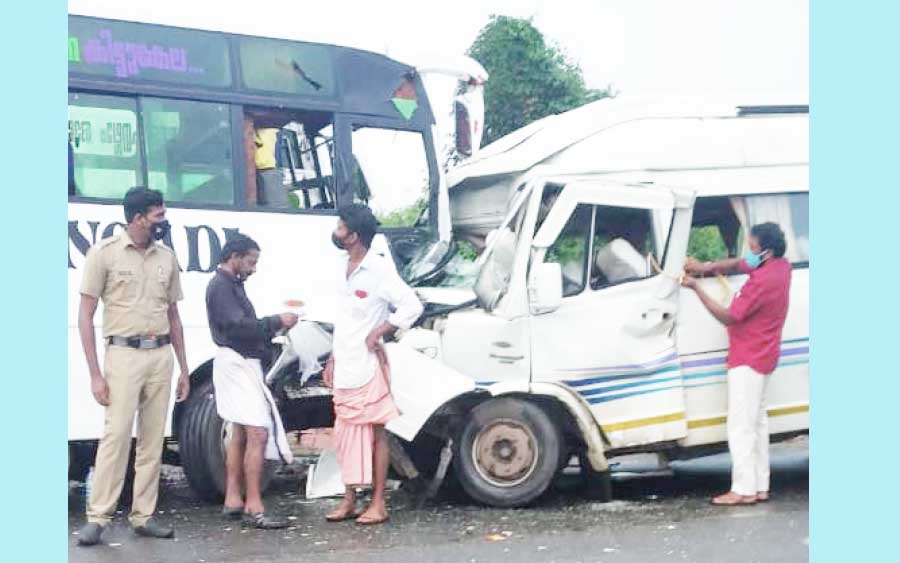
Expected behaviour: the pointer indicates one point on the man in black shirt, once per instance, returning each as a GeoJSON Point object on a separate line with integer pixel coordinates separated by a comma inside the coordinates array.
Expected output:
{"type": "Point", "coordinates": [242, 397]}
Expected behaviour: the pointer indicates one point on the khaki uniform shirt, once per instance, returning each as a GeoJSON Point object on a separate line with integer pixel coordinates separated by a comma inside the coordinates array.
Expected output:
{"type": "Point", "coordinates": [136, 287]}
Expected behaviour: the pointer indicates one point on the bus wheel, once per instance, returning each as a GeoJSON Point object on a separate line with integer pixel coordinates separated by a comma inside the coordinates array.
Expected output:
{"type": "Point", "coordinates": [81, 458]}
{"type": "Point", "coordinates": [508, 453]}
{"type": "Point", "coordinates": [202, 440]}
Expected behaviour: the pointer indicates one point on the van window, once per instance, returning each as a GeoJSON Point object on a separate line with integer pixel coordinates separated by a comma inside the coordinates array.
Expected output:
{"type": "Point", "coordinates": [720, 224]}
{"type": "Point", "coordinates": [103, 146]}
{"type": "Point", "coordinates": [715, 230]}
{"type": "Point", "coordinates": [189, 150]}
{"type": "Point", "coordinates": [789, 211]}
{"type": "Point", "coordinates": [623, 243]}
{"type": "Point", "coordinates": [570, 250]}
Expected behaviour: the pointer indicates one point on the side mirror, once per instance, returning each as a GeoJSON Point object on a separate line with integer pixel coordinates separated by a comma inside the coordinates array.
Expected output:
{"type": "Point", "coordinates": [545, 288]}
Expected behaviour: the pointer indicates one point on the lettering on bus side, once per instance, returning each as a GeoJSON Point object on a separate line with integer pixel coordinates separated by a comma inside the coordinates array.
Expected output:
{"type": "Point", "coordinates": [199, 244]}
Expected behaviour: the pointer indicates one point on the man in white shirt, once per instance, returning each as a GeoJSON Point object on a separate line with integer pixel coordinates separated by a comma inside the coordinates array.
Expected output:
{"type": "Point", "coordinates": [369, 289]}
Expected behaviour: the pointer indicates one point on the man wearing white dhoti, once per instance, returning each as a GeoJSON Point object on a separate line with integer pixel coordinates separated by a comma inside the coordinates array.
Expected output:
{"type": "Point", "coordinates": [374, 302]}
{"type": "Point", "coordinates": [242, 397]}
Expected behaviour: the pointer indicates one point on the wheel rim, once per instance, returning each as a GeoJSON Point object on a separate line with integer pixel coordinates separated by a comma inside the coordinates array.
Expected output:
{"type": "Point", "coordinates": [505, 453]}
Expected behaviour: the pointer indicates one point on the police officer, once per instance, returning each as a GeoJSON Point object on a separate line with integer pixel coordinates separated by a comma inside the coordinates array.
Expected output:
{"type": "Point", "coordinates": [137, 279]}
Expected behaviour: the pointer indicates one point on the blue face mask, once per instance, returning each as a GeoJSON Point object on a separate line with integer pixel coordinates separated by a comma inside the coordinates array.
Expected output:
{"type": "Point", "coordinates": [753, 260]}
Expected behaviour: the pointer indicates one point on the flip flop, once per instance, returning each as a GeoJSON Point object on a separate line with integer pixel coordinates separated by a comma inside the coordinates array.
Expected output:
{"type": "Point", "coordinates": [348, 516]}
{"type": "Point", "coordinates": [762, 497]}
{"type": "Point", "coordinates": [372, 522]}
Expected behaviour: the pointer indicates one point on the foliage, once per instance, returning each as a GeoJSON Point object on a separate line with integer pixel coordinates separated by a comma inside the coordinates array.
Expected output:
{"type": "Point", "coordinates": [405, 217]}
{"type": "Point", "coordinates": [466, 251]}
{"type": "Point", "coordinates": [706, 244]}
{"type": "Point", "coordinates": [529, 78]}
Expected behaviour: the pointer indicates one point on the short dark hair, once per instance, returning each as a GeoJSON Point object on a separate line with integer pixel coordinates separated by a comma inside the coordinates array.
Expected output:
{"type": "Point", "coordinates": [360, 220]}
{"type": "Point", "coordinates": [770, 237]}
{"type": "Point", "coordinates": [138, 201]}
{"type": "Point", "coordinates": [237, 244]}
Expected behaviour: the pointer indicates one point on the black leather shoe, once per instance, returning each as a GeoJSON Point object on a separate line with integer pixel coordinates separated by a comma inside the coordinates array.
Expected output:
{"type": "Point", "coordinates": [90, 534]}
{"type": "Point", "coordinates": [152, 529]}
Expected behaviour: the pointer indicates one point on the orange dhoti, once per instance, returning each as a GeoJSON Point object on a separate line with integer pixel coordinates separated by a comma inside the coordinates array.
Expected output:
{"type": "Point", "coordinates": [356, 411]}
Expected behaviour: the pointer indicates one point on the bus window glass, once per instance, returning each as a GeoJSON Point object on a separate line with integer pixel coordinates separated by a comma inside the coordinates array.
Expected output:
{"type": "Point", "coordinates": [189, 150]}
{"type": "Point", "coordinates": [286, 67]}
{"type": "Point", "coordinates": [103, 143]}
{"type": "Point", "coordinates": [389, 173]}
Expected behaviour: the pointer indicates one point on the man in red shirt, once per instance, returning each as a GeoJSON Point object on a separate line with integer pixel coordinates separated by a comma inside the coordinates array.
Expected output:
{"type": "Point", "coordinates": [754, 320]}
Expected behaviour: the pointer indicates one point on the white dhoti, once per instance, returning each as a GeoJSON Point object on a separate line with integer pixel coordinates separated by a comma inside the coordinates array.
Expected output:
{"type": "Point", "coordinates": [748, 431]}
{"type": "Point", "coordinates": [243, 398]}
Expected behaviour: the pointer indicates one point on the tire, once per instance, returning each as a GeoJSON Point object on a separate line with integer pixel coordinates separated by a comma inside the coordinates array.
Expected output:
{"type": "Point", "coordinates": [508, 453]}
{"type": "Point", "coordinates": [201, 445]}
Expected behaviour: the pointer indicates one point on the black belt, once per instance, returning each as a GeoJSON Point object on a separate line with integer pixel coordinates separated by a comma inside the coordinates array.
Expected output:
{"type": "Point", "coordinates": [140, 342]}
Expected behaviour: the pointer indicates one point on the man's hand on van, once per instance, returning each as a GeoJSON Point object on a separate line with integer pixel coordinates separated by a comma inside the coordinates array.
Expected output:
{"type": "Point", "coordinates": [695, 267]}
{"type": "Point", "coordinates": [100, 389]}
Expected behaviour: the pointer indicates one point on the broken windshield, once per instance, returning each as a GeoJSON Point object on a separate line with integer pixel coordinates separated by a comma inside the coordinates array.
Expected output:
{"type": "Point", "coordinates": [496, 263]}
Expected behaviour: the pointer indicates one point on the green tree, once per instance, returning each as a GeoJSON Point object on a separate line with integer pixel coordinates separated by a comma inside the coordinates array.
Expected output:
{"type": "Point", "coordinates": [529, 78]}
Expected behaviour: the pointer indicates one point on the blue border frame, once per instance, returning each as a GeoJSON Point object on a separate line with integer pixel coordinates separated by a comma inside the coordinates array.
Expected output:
{"type": "Point", "coordinates": [34, 408]}
{"type": "Point", "coordinates": [854, 383]}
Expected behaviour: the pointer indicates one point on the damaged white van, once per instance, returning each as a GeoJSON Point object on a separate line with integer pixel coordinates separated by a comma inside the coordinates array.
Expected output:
{"type": "Point", "coordinates": [575, 338]}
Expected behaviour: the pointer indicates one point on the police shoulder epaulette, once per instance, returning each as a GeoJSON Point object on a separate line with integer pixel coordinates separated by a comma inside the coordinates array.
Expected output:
{"type": "Point", "coordinates": [108, 241]}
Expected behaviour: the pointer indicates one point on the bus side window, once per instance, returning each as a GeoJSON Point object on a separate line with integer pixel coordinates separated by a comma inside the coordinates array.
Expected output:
{"type": "Point", "coordinates": [189, 150]}
{"type": "Point", "coordinates": [104, 153]}
{"type": "Point", "coordinates": [289, 159]}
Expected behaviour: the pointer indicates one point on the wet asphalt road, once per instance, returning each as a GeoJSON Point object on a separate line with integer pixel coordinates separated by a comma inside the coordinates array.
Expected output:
{"type": "Point", "coordinates": [653, 518]}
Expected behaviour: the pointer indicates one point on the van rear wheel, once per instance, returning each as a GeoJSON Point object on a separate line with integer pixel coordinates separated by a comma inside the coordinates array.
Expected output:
{"type": "Point", "coordinates": [508, 453]}
{"type": "Point", "coordinates": [202, 440]}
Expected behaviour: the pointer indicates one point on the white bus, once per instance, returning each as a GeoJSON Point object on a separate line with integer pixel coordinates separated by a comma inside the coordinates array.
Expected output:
{"type": "Point", "coordinates": [178, 110]}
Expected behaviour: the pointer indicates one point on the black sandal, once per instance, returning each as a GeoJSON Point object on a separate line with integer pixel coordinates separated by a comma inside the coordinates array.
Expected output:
{"type": "Point", "coordinates": [263, 522]}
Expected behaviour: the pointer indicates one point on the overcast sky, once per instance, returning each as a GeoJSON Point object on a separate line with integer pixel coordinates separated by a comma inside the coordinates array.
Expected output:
{"type": "Point", "coordinates": [638, 46]}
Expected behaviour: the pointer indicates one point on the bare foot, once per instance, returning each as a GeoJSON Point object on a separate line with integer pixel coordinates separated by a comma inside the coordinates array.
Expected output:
{"type": "Point", "coordinates": [762, 496]}
{"type": "Point", "coordinates": [373, 515]}
{"type": "Point", "coordinates": [232, 504]}
{"type": "Point", "coordinates": [344, 511]}
{"type": "Point", "coordinates": [254, 508]}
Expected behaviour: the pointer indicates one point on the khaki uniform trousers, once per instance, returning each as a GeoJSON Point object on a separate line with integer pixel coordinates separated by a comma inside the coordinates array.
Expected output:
{"type": "Point", "coordinates": [139, 382]}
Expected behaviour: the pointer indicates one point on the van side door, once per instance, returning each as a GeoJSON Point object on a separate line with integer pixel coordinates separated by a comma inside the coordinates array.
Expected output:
{"type": "Point", "coordinates": [620, 250]}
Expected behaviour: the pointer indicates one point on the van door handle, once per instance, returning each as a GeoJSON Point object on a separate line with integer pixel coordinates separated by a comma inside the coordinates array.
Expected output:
{"type": "Point", "coordinates": [665, 315]}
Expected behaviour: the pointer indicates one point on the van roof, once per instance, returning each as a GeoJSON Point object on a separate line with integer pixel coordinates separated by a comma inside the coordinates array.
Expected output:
{"type": "Point", "coordinates": [642, 135]}
{"type": "Point", "coordinates": [705, 183]}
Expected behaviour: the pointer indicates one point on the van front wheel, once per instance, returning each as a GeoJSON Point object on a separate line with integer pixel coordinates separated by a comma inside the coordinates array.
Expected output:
{"type": "Point", "coordinates": [508, 453]}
